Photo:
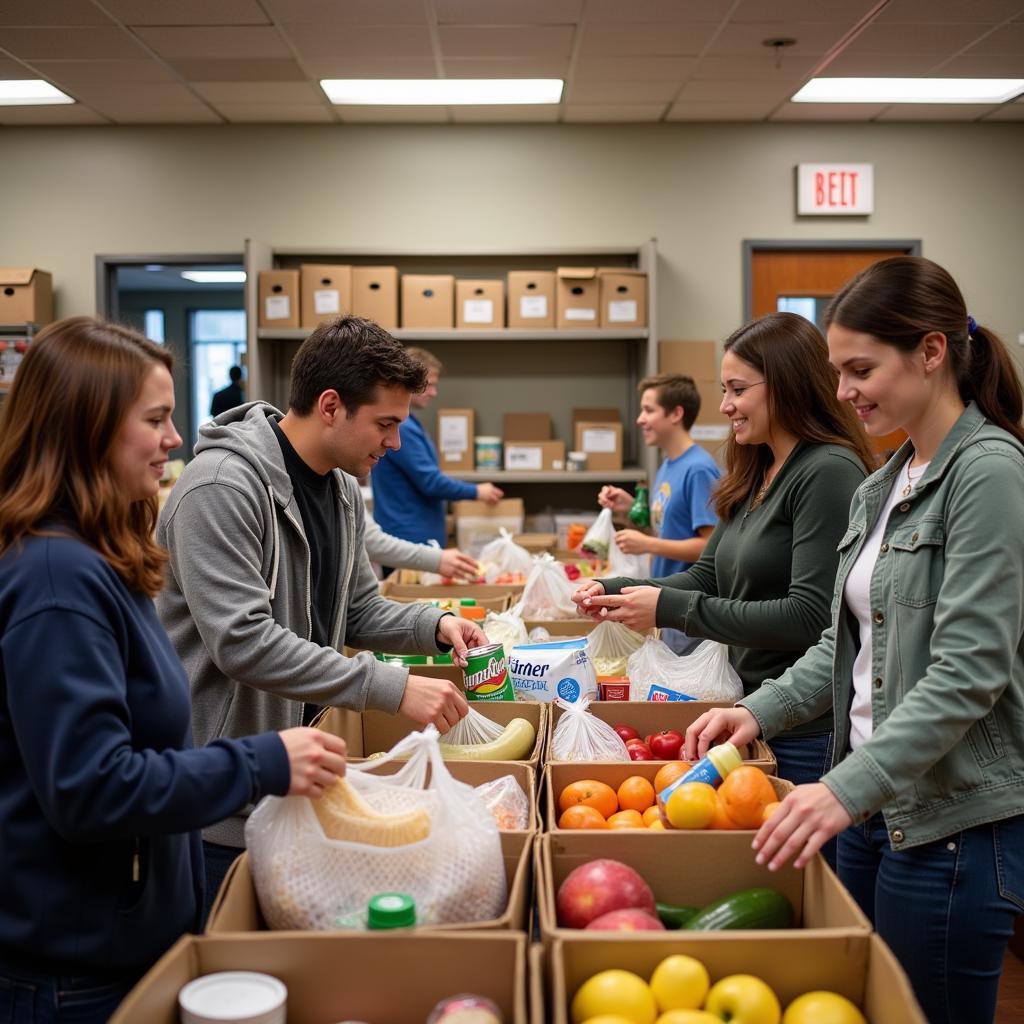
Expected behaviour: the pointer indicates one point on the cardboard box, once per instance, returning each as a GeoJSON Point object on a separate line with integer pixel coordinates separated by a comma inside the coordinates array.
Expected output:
{"type": "Point", "coordinates": [26, 296]}
{"type": "Point", "coordinates": [693, 869]}
{"type": "Point", "coordinates": [526, 426]}
{"type": "Point", "coordinates": [623, 297]}
{"type": "Point", "coordinates": [334, 976]}
{"type": "Point", "coordinates": [602, 442]}
{"type": "Point", "coordinates": [490, 604]}
{"type": "Point", "coordinates": [478, 591]}
{"type": "Point", "coordinates": [531, 298]}
{"type": "Point", "coordinates": [375, 294]}
{"type": "Point", "coordinates": [278, 294]}
{"type": "Point", "coordinates": [326, 292]}
{"type": "Point", "coordinates": [699, 360]}
{"type": "Point", "coordinates": [534, 456]}
{"type": "Point", "coordinates": [859, 967]}
{"type": "Point", "coordinates": [476, 522]}
{"type": "Point", "coordinates": [480, 304]}
{"type": "Point", "coordinates": [455, 439]}
{"type": "Point", "coordinates": [537, 543]}
{"type": "Point", "coordinates": [428, 300]}
{"type": "Point", "coordinates": [653, 716]}
{"type": "Point", "coordinates": [562, 628]}
{"type": "Point", "coordinates": [578, 298]}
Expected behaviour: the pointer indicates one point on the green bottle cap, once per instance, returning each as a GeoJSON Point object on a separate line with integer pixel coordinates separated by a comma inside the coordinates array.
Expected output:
{"type": "Point", "coordinates": [390, 910]}
{"type": "Point", "coordinates": [467, 602]}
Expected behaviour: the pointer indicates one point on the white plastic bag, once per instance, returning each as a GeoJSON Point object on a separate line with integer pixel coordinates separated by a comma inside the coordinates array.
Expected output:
{"type": "Point", "coordinates": [600, 538]}
{"type": "Point", "coordinates": [581, 736]}
{"type": "Point", "coordinates": [507, 802]}
{"type": "Point", "coordinates": [634, 567]}
{"type": "Point", "coordinates": [547, 593]}
{"type": "Point", "coordinates": [505, 628]}
{"type": "Point", "coordinates": [655, 673]}
{"type": "Point", "coordinates": [610, 645]}
{"type": "Point", "coordinates": [306, 880]}
{"type": "Point", "coordinates": [503, 555]}
{"type": "Point", "coordinates": [473, 728]}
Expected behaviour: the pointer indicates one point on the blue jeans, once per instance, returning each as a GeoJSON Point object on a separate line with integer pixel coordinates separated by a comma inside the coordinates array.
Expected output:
{"type": "Point", "coordinates": [30, 998]}
{"type": "Point", "coordinates": [804, 759]}
{"type": "Point", "coordinates": [216, 859]}
{"type": "Point", "coordinates": [946, 909]}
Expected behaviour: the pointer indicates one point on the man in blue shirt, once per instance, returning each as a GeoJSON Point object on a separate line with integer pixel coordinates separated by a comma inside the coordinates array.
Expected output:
{"type": "Point", "coordinates": [409, 489]}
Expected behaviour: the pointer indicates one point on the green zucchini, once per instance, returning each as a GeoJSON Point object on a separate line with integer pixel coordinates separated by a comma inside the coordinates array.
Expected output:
{"type": "Point", "coordinates": [749, 909]}
{"type": "Point", "coordinates": [674, 917]}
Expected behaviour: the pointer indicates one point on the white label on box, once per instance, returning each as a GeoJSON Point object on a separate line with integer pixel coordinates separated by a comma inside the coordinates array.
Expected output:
{"type": "Point", "coordinates": [581, 314]}
{"type": "Point", "coordinates": [523, 457]}
{"type": "Point", "coordinates": [599, 439]}
{"type": "Point", "coordinates": [622, 311]}
{"type": "Point", "coordinates": [453, 435]}
{"type": "Point", "coordinates": [478, 311]}
{"type": "Point", "coordinates": [278, 307]}
{"type": "Point", "coordinates": [709, 432]}
{"type": "Point", "coordinates": [533, 306]}
{"type": "Point", "coordinates": [326, 300]}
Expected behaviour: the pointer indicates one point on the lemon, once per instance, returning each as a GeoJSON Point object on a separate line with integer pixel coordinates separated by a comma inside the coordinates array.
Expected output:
{"type": "Point", "coordinates": [615, 993]}
{"type": "Point", "coordinates": [680, 983]}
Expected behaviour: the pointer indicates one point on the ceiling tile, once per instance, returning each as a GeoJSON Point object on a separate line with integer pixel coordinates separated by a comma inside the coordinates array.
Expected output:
{"type": "Point", "coordinates": [880, 65]}
{"type": "Point", "coordinates": [726, 91]}
{"type": "Point", "coordinates": [778, 11]}
{"type": "Point", "coordinates": [919, 37]}
{"type": "Point", "coordinates": [613, 112]}
{"type": "Point", "coordinates": [474, 41]}
{"type": "Point", "coordinates": [372, 67]}
{"type": "Point", "coordinates": [70, 43]}
{"type": "Point", "coordinates": [633, 69]}
{"type": "Point", "coordinates": [52, 12]}
{"type": "Point", "coordinates": [11, 69]}
{"type": "Point", "coordinates": [811, 38]}
{"type": "Point", "coordinates": [936, 111]}
{"type": "Point", "coordinates": [187, 12]}
{"type": "Point", "coordinates": [276, 113]}
{"type": "Point", "coordinates": [332, 41]}
{"type": "Point", "coordinates": [632, 40]}
{"type": "Point", "coordinates": [758, 68]}
{"type": "Point", "coordinates": [259, 92]}
{"type": "Point", "coordinates": [393, 115]}
{"type": "Point", "coordinates": [1007, 41]}
{"type": "Point", "coordinates": [828, 112]}
{"type": "Point", "coordinates": [230, 70]}
{"type": "Point", "coordinates": [533, 113]}
{"type": "Point", "coordinates": [979, 12]}
{"type": "Point", "coordinates": [970, 66]}
{"type": "Point", "coordinates": [508, 12]}
{"type": "Point", "coordinates": [507, 67]}
{"type": "Point", "coordinates": [216, 41]}
{"type": "Point", "coordinates": [76, 114]}
{"type": "Point", "coordinates": [622, 92]}
{"type": "Point", "coordinates": [348, 12]}
{"type": "Point", "coordinates": [85, 72]}
{"type": "Point", "coordinates": [1007, 112]}
{"type": "Point", "coordinates": [737, 110]}
{"type": "Point", "coordinates": [129, 112]}
{"type": "Point", "coordinates": [655, 10]}
{"type": "Point", "coordinates": [155, 94]}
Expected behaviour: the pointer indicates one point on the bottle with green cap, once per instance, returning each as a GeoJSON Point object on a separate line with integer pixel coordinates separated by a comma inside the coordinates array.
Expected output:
{"type": "Point", "coordinates": [390, 910]}
{"type": "Point", "coordinates": [711, 768]}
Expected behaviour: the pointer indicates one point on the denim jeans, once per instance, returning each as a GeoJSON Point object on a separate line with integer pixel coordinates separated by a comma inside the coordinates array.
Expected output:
{"type": "Point", "coordinates": [30, 998]}
{"type": "Point", "coordinates": [216, 859]}
{"type": "Point", "coordinates": [946, 909]}
{"type": "Point", "coordinates": [804, 759]}
{"type": "Point", "coordinates": [678, 642]}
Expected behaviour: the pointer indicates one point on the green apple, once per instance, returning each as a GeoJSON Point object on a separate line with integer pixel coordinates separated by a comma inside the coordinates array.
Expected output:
{"type": "Point", "coordinates": [743, 999]}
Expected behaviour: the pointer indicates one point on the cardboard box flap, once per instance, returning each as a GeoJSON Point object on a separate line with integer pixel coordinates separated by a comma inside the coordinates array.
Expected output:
{"type": "Point", "coordinates": [16, 275]}
{"type": "Point", "coordinates": [626, 271]}
{"type": "Point", "coordinates": [577, 273]}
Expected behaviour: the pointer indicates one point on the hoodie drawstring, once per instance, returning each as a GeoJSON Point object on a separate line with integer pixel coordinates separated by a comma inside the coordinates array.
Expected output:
{"type": "Point", "coordinates": [276, 542]}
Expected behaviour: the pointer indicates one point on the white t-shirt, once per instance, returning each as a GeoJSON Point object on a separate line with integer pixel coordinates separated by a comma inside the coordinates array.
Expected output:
{"type": "Point", "coordinates": [857, 593]}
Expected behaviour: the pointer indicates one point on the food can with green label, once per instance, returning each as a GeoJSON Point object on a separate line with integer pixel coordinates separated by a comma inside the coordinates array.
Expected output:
{"type": "Point", "coordinates": [486, 675]}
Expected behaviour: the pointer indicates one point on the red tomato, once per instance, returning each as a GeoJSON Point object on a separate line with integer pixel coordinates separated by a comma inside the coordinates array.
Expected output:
{"type": "Point", "coordinates": [665, 745]}
{"type": "Point", "coordinates": [626, 732]}
{"type": "Point", "coordinates": [639, 751]}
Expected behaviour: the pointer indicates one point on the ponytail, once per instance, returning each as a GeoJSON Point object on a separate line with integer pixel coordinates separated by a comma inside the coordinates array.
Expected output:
{"type": "Point", "coordinates": [990, 379]}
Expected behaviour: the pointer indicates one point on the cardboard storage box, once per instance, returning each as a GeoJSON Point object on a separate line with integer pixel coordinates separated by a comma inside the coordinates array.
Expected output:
{"type": "Point", "coordinates": [693, 869]}
{"type": "Point", "coordinates": [278, 293]}
{"type": "Point", "coordinates": [578, 298]}
{"type": "Point", "coordinates": [334, 976]}
{"type": "Point", "coordinates": [326, 292]}
{"type": "Point", "coordinates": [623, 297]}
{"type": "Point", "coordinates": [537, 543]}
{"type": "Point", "coordinates": [476, 522]}
{"type": "Point", "coordinates": [480, 304]}
{"type": "Point", "coordinates": [455, 439]}
{"type": "Point", "coordinates": [26, 296]}
{"type": "Point", "coordinates": [526, 426]}
{"type": "Point", "coordinates": [428, 300]}
{"type": "Point", "coordinates": [490, 604]}
{"type": "Point", "coordinates": [375, 294]}
{"type": "Point", "coordinates": [531, 298]}
{"type": "Point", "coordinates": [534, 455]}
{"type": "Point", "coordinates": [421, 591]}
{"type": "Point", "coordinates": [699, 360]}
{"type": "Point", "coordinates": [602, 442]}
{"type": "Point", "coordinates": [859, 967]}
{"type": "Point", "coordinates": [562, 628]}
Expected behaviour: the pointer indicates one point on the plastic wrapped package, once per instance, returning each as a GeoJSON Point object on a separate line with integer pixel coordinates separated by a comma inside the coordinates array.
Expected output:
{"type": "Point", "coordinates": [611, 644]}
{"type": "Point", "coordinates": [505, 628]}
{"type": "Point", "coordinates": [581, 736]}
{"type": "Point", "coordinates": [658, 674]}
{"type": "Point", "coordinates": [507, 802]}
{"type": "Point", "coordinates": [547, 593]}
{"type": "Point", "coordinates": [503, 558]}
{"type": "Point", "coordinates": [473, 728]}
{"type": "Point", "coordinates": [600, 538]}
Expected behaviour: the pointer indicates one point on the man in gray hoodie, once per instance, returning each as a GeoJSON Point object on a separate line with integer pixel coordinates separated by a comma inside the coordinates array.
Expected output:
{"type": "Point", "coordinates": [269, 577]}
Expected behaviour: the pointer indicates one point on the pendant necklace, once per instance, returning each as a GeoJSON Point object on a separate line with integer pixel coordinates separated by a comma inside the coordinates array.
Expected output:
{"type": "Point", "coordinates": [912, 477]}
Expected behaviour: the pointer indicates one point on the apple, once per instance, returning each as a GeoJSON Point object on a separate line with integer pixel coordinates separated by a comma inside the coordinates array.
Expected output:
{"type": "Point", "coordinates": [626, 732]}
{"type": "Point", "coordinates": [597, 887]}
{"type": "Point", "coordinates": [629, 919]}
{"type": "Point", "coordinates": [743, 999]}
{"type": "Point", "coordinates": [822, 1008]}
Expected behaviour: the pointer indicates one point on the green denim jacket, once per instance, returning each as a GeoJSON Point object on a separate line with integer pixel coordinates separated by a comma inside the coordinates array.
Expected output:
{"type": "Point", "coordinates": [947, 746]}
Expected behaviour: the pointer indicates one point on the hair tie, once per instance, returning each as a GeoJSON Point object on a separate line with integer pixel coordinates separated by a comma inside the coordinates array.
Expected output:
{"type": "Point", "coordinates": [972, 324]}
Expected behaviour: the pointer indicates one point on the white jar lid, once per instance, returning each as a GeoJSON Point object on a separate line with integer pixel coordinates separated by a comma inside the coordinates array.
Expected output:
{"type": "Point", "coordinates": [242, 997]}
{"type": "Point", "coordinates": [576, 455]}
{"type": "Point", "coordinates": [481, 439]}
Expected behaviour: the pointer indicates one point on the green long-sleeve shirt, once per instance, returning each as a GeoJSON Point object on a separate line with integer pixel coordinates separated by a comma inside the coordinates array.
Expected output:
{"type": "Point", "coordinates": [764, 582]}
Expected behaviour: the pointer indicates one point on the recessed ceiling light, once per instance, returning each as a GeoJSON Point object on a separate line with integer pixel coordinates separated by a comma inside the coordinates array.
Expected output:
{"type": "Point", "coordinates": [30, 92]}
{"type": "Point", "coordinates": [153, 267]}
{"type": "Point", "coordinates": [441, 91]}
{"type": "Point", "coordinates": [214, 276]}
{"type": "Point", "coordinates": [909, 90]}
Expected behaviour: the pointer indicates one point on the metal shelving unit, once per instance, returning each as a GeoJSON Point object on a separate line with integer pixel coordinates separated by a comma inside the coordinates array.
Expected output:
{"type": "Point", "coordinates": [21, 332]}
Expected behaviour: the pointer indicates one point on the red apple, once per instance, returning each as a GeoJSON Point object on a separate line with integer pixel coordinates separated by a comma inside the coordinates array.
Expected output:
{"type": "Point", "coordinates": [630, 919]}
{"type": "Point", "coordinates": [626, 732]}
{"type": "Point", "coordinates": [598, 887]}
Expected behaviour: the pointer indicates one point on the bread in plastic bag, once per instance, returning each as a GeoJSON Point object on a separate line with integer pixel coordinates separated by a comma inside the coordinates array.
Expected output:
{"type": "Point", "coordinates": [610, 645]}
{"type": "Point", "coordinates": [507, 802]}
{"type": "Point", "coordinates": [505, 628]}
{"type": "Point", "coordinates": [600, 538]}
{"type": "Point", "coordinates": [655, 673]}
{"type": "Point", "coordinates": [503, 556]}
{"type": "Point", "coordinates": [547, 593]}
{"type": "Point", "coordinates": [581, 736]}
{"type": "Point", "coordinates": [307, 880]}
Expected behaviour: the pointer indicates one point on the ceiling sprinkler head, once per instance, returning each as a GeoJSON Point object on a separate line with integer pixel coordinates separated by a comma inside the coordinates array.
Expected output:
{"type": "Point", "coordinates": [778, 44]}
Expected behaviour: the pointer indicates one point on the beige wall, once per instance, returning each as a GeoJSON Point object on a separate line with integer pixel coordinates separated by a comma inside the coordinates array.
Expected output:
{"type": "Point", "coordinates": [68, 193]}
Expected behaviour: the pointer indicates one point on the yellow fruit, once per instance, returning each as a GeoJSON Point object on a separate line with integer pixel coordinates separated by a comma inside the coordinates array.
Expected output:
{"type": "Point", "coordinates": [657, 825]}
{"type": "Point", "coordinates": [609, 1018]}
{"type": "Point", "coordinates": [691, 805]}
{"type": "Point", "coordinates": [680, 983]}
{"type": "Point", "coordinates": [743, 999]}
{"type": "Point", "coordinates": [651, 814]}
{"type": "Point", "coordinates": [822, 1008]}
{"type": "Point", "coordinates": [615, 992]}
{"type": "Point", "coordinates": [688, 1017]}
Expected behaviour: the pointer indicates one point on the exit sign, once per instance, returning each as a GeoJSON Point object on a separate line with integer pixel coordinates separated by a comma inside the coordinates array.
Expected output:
{"type": "Point", "coordinates": [835, 189]}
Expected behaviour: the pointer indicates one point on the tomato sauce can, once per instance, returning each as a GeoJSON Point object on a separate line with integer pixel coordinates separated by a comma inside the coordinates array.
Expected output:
{"type": "Point", "coordinates": [486, 674]}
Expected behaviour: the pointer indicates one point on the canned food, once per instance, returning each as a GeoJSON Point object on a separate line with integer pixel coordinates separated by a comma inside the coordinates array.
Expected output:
{"type": "Point", "coordinates": [488, 452]}
{"type": "Point", "coordinates": [486, 674]}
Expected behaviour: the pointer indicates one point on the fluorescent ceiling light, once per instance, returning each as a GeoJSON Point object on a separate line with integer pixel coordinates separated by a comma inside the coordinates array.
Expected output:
{"type": "Point", "coordinates": [30, 92]}
{"type": "Point", "coordinates": [214, 276]}
{"type": "Point", "coordinates": [441, 91]}
{"type": "Point", "coordinates": [909, 90]}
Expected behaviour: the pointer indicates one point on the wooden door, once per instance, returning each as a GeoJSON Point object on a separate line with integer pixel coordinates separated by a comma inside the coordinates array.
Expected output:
{"type": "Point", "coordinates": [804, 281]}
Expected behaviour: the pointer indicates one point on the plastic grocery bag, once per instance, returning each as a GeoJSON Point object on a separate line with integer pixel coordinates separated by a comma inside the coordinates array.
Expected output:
{"type": "Point", "coordinates": [473, 728]}
{"type": "Point", "coordinates": [610, 645]}
{"type": "Point", "coordinates": [581, 736]}
{"type": "Point", "coordinates": [507, 802]}
{"type": "Point", "coordinates": [505, 628]}
{"type": "Point", "coordinates": [503, 555]}
{"type": "Point", "coordinates": [600, 538]}
{"type": "Point", "coordinates": [547, 593]}
{"type": "Point", "coordinates": [656, 673]}
{"type": "Point", "coordinates": [636, 567]}
{"type": "Point", "coordinates": [455, 873]}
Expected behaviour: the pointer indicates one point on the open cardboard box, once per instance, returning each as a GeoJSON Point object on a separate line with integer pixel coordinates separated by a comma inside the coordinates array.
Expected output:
{"type": "Point", "coordinates": [562, 627]}
{"type": "Point", "coordinates": [558, 775]}
{"type": "Point", "coordinates": [490, 604]}
{"type": "Point", "coordinates": [379, 977]}
{"type": "Point", "coordinates": [478, 591]}
{"type": "Point", "coordinates": [692, 869]}
{"type": "Point", "coordinates": [860, 967]}
{"type": "Point", "coordinates": [653, 716]}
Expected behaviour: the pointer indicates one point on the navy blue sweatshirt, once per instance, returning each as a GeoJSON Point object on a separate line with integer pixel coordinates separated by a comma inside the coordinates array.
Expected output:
{"type": "Point", "coordinates": [100, 789]}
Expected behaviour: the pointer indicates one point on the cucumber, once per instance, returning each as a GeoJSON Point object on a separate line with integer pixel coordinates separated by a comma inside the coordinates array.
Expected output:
{"type": "Point", "coordinates": [749, 909]}
{"type": "Point", "coordinates": [674, 917]}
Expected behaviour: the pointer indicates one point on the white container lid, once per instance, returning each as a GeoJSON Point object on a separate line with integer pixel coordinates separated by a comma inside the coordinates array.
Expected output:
{"type": "Point", "coordinates": [242, 997]}
{"type": "Point", "coordinates": [481, 439]}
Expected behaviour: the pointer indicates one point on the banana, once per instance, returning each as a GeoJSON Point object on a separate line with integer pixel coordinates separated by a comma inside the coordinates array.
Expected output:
{"type": "Point", "coordinates": [514, 744]}
{"type": "Point", "coordinates": [344, 814]}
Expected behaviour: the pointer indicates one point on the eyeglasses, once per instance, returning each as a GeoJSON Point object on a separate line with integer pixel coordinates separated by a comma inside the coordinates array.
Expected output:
{"type": "Point", "coordinates": [733, 394]}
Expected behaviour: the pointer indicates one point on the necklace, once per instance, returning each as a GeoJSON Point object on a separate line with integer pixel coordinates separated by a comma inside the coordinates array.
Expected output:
{"type": "Point", "coordinates": [758, 497]}
{"type": "Point", "coordinates": [912, 477]}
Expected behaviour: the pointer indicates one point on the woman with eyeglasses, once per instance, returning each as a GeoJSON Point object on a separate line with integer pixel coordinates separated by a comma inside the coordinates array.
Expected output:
{"type": "Point", "coordinates": [764, 582]}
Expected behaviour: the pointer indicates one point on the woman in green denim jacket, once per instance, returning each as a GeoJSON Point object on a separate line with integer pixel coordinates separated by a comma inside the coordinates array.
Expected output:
{"type": "Point", "coordinates": [928, 776]}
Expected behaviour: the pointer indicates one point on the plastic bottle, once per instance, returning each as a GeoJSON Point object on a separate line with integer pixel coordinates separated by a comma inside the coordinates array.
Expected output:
{"type": "Point", "coordinates": [390, 910]}
{"type": "Point", "coordinates": [640, 512]}
{"type": "Point", "coordinates": [711, 768]}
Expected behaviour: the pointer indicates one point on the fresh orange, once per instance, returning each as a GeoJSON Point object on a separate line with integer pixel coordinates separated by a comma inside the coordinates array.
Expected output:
{"type": "Point", "coordinates": [582, 816]}
{"type": "Point", "coordinates": [668, 773]}
{"type": "Point", "coordinates": [626, 819]}
{"type": "Point", "coordinates": [769, 810]}
{"type": "Point", "coordinates": [691, 805]}
{"type": "Point", "coordinates": [745, 792]}
{"type": "Point", "coordinates": [598, 795]}
{"type": "Point", "coordinates": [721, 820]}
{"type": "Point", "coordinates": [636, 794]}
{"type": "Point", "coordinates": [651, 814]}
{"type": "Point", "coordinates": [657, 825]}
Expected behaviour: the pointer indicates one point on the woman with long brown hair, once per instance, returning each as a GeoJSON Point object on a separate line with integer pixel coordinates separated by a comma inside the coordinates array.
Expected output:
{"type": "Point", "coordinates": [100, 789]}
